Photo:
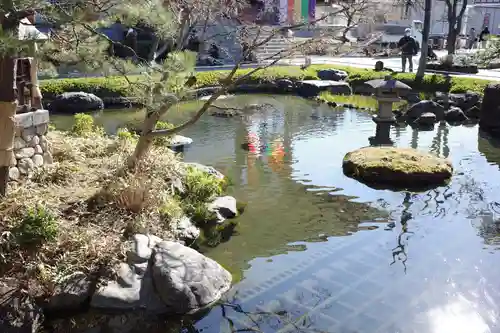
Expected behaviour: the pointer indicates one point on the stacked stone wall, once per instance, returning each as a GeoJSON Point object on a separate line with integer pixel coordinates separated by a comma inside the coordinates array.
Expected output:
{"type": "Point", "coordinates": [31, 147]}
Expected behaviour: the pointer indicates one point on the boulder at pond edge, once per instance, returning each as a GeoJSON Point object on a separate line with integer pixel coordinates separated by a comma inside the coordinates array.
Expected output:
{"type": "Point", "coordinates": [416, 110]}
{"type": "Point", "coordinates": [392, 167]}
{"type": "Point", "coordinates": [76, 102]}
{"type": "Point", "coordinates": [163, 277]}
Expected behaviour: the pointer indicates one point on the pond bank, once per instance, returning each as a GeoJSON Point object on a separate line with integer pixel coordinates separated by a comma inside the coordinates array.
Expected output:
{"type": "Point", "coordinates": [87, 233]}
{"type": "Point", "coordinates": [116, 91]}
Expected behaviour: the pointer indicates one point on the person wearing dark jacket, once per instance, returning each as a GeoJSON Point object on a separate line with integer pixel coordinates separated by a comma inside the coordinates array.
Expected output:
{"type": "Point", "coordinates": [409, 48]}
{"type": "Point", "coordinates": [483, 37]}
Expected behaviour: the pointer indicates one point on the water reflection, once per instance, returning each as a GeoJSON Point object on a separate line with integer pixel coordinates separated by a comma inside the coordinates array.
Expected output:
{"type": "Point", "coordinates": [430, 267]}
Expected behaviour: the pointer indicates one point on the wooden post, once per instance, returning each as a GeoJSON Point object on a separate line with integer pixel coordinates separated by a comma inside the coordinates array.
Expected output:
{"type": "Point", "coordinates": [7, 99]}
{"type": "Point", "coordinates": [8, 107]}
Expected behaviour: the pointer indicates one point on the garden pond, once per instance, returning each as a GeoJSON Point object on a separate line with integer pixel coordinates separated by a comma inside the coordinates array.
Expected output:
{"type": "Point", "coordinates": [316, 251]}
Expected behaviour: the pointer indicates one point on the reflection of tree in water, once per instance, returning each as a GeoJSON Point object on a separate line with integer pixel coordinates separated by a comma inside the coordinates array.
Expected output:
{"type": "Point", "coordinates": [399, 252]}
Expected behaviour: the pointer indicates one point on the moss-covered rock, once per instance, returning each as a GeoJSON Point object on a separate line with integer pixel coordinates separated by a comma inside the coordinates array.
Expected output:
{"type": "Point", "coordinates": [397, 168]}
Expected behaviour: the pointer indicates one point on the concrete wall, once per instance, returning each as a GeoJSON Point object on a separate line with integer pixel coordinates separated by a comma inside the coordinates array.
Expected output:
{"type": "Point", "coordinates": [31, 147]}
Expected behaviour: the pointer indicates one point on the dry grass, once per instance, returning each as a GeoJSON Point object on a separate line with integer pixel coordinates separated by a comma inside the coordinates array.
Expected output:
{"type": "Point", "coordinates": [95, 203]}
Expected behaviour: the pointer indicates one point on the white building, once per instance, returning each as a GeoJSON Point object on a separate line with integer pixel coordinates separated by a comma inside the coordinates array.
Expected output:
{"type": "Point", "coordinates": [478, 14]}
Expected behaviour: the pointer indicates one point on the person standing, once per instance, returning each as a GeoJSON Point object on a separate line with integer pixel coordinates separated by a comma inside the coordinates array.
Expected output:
{"type": "Point", "coordinates": [483, 37]}
{"type": "Point", "coordinates": [409, 48]}
{"type": "Point", "coordinates": [472, 38]}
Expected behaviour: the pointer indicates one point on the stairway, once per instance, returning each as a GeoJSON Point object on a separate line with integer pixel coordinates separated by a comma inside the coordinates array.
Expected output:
{"type": "Point", "coordinates": [278, 43]}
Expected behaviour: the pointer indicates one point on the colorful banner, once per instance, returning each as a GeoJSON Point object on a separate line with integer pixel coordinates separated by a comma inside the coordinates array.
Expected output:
{"type": "Point", "coordinates": [290, 11]}
{"type": "Point", "coordinates": [297, 5]}
{"type": "Point", "coordinates": [298, 10]}
{"type": "Point", "coordinates": [283, 11]}
{"type": "Point", "coordinates": [305, 10]}
{"type": "Point", "coordinates": [312, 10]}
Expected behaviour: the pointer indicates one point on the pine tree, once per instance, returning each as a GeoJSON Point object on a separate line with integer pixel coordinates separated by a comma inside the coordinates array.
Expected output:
{"type": "Point", "coordinates": [77, 39]}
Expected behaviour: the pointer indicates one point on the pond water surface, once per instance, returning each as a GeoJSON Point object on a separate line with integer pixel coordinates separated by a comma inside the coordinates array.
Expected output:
{"type": "Point", "coordinates": [319, 252]}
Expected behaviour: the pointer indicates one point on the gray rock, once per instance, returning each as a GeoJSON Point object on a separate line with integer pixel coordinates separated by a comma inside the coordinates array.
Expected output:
{"type": "Point", "coordinates": [44, 143]}
{"type": "Point", "coordinates": [312, 88]}
{"type": "Point", "coordinates": [426, 119]}
{"type": "Point", "coordinates": [467, 100]}
{"type": "Point", "coordinates": [140, 248]}
{"type": "Point", "coordinates": [14, 173]}
{"type": "Point", "coordinates": [24, 153]}
{"type": "Point", "coordinates": [455, 115]}
{"type": "Point", "coordinates": [26, 166]}
{"type": "Point", "coordinates": [37, 160]}
{"type": "Point", "coordinates": [224, 208]}
{"type": "Point", "coordinates": [19, 143]}
{"type": "Point", "coordinates": [474, 112]}
{"type": "Point", "coordinates": [413, 98]}
{"type": "Point", "coordinates": [42, 129]}
{"type": "Point", "coordinates": [38, 149]}
{"type": "Point", "coordinates": [71, 293]}
{"type": "Point", "coordinates": [285, 85]}
{"type": "Point", "coordinates": [208, 169]}
{"type": "Point", "coordinates": [178, 141]}
{"type": "Point", "coordinates": [76, 102]}
{"type": "Point", "coordinates": [35, 140]}
{"type": "Point", "coordinates": [133, 290]}
{"type": "Point", "coordinates": [416, 110]}
{"type": "Point", "coordinates": [18, 311]}
{"type": "Point", "coordinates": [13, 160]}
{"type": "Point", "coordinates": [332, 74]}
{"type": "Point", "coordinates": [185, 230]}
{"type": "Point", "coordinates": [28, 133]}
{"type": "Point", "coordinates": [186, 280]}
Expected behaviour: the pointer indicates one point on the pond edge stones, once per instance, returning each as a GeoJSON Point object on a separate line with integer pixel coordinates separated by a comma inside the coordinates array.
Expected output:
{"type": "Point", "coordinates": [163, 277]}
{"type": "Point", "coordinates": [397, 168]}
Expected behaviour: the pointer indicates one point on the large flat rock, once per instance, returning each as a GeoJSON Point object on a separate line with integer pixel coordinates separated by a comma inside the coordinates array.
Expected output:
{"type": "Point", "coordinates": [397, 168]}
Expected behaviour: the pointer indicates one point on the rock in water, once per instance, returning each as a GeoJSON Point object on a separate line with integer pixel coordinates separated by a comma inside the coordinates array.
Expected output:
{"type": "Point", "coordinates": [426, 119]}
{"type": "Point", "coordinates": [416, 110]}
{"type": "Point", "coordinates": [76, 102]}
{"type": "Point", "coordinates": [490, 110]}
{"type": "Point", "coordinates": [474, 112]}
{"type": "Point", "coordinates": [163, 277]}
{"type": "Point", "coordinates": [401, 168]}
{"type": "Point", "coordinates": [224, 208]}
{"type": "Point", "coordinates": [455, 115]}
{"type": "Point", "coordinates": [186, 280]}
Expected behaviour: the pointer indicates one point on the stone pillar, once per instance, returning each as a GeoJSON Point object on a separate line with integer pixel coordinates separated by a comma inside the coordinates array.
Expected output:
{"type": "Point", "coordinates": [31, 147]}
{"type": "Point", "coordinates": [382, 135]}
{"type": "Point", "coordinates": [385, 109]}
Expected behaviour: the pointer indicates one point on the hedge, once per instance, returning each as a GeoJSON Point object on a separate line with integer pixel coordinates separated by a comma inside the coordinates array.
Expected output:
{"type": "Point", "coordinates": [118, 86]}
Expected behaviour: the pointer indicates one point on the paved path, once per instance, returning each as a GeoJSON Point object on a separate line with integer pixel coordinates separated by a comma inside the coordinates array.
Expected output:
{"type": "Point", "coordinates": [361, 62]}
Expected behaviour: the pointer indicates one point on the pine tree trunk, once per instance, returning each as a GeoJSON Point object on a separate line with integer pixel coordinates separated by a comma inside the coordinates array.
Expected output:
{"type": "Point", "coordinates": [452, 39]}
{"type": "Point", "coordinates": [425, 39]}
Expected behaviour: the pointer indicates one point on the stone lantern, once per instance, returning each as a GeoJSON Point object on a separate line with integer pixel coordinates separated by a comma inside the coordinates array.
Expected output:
{"type": "Point", "coordinates": [387, 92]}
{"type": "Point", "coordinates": [27, 66]}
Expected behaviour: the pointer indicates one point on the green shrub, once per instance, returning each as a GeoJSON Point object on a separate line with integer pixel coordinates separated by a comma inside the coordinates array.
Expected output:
{"type": "Point", "coordinates": [165, 139]}
{"type": "Point", "coordinates": [119, 86]}
{"type": "Point", "coordinates": [37, 225]}
{"type": "Point", "coordinates": [100, 86]}
{"type": "Point", "coordinates": [84, 126]}
{"type": "Point", "coordinates": [200, 189]}
{"type": "Point", "coordinates": [125, 135]}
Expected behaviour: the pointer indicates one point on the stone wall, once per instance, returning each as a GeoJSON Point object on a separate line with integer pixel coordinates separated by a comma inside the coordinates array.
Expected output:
{"type": "Point", "coordinates": [31, 147]}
